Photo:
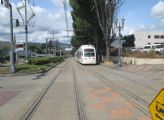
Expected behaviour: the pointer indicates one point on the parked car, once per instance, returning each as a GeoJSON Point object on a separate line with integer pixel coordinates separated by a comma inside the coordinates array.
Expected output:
{"type": "Point", "coordinates": [158, 48]}
{"type": "Point", "coordinates": [148, 48]}
{"type": "Point", "coordinates": [136, 49]}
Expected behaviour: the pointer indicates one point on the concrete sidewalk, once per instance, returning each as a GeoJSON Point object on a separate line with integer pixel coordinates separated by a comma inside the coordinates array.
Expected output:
{"type": "Point", "coordinates": [19, 92]}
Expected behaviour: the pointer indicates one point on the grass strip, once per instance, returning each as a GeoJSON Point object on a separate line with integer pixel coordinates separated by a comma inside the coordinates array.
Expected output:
{"type": "Point", "coordinates": [29, 68]}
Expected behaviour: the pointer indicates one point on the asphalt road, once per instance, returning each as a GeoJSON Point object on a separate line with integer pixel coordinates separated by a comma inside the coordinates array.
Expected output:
{"type": "Point", "coordinates": [82, 92]}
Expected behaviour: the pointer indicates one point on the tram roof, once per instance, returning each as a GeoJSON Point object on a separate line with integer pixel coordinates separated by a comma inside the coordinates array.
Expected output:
{"type": "Point", "coordinates": [87, 46]}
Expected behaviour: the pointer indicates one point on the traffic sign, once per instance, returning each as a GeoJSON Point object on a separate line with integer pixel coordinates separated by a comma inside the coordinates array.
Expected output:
{"type": "Point", "coordinates": [156, 107]}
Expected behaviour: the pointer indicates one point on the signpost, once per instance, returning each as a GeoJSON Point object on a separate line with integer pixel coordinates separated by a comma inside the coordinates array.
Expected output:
{"type": "Point", "coordinates": [156, 108]}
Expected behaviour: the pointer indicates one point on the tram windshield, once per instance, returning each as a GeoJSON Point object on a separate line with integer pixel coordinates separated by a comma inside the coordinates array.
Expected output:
{"type": "Point", "coordinates": [89, 53]}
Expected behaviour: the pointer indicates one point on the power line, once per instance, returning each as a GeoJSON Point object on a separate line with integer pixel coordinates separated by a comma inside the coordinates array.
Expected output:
{"type": "Point", "coordinates": [26, 19]}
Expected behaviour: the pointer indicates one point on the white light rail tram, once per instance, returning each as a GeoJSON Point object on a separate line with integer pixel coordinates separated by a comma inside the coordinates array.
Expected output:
{"type": "Point", "coordinates": [86, 54]}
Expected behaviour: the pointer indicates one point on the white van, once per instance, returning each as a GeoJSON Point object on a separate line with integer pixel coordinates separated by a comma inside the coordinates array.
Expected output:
{"type": "Point", "coordinates": [148, 48]}
{"type": "Point", "coordinates": [158, 48]}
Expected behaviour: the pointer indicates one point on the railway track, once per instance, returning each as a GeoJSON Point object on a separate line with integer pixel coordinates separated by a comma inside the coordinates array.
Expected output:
{"type": "Point", "coordinates": [134, 99]}
{"type": "Point", "coordinates": [28, 115]}
{"type": "Point", "coordinates": [134, 81]}
{"type": "Point", "coordinates": [80, 107]}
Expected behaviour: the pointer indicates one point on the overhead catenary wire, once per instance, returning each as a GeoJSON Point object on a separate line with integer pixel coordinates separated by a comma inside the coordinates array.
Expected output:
{"type": "Point", "coordinates": [19, 8]}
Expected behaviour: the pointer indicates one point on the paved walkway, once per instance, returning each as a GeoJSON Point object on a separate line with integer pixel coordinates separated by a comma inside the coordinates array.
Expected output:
{"type": "Point", "coordinates": [104, 93]}
{"type": "Point", "coordinates": [18, 93]}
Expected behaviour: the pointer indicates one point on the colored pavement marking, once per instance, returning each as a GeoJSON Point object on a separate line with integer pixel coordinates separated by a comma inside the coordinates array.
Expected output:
{"type": "Point", "coordinates": [6, 96]}
{"type": "Point", "coordinates": [114, 105]}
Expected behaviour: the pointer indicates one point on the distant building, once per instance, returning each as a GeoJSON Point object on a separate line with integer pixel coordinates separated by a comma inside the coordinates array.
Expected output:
{"type": "Point", "coordinates": [144, 38]}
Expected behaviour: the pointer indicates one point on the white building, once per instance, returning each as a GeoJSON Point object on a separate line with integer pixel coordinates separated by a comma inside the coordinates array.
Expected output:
{"type": "Point", "coordinates": [144, 38]}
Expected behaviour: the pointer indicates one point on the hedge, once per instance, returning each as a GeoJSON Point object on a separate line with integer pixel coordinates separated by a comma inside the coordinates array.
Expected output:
{"type": "Point", "coordinates": [42, 61]}
{"type": "Point", "coordinates": [56, 59]}
{"type": "Point", "coordinates": [4, 58]}
{"type": "Point", "coordinates": [39, 61]}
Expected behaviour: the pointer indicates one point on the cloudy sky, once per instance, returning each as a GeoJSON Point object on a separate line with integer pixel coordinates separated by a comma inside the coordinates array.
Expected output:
{"type": "Point", "coordinates": [145, 15]}
{"type": "Point", "coordinates": [49, 18]}
{"type": "Point", "coordinates": [142, 15]}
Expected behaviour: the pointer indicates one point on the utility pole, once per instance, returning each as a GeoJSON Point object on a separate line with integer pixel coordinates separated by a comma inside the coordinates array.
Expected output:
{"type": "Point", "coordinates": [7, 4]}
{"type": "Point", "coordinates": [25, 21]}
{"type": "Point", "coordinates": [66, 19]}
{"type": "Point", "coordinates": [56, 43]}
{"type": "Point", "coordinates": [13, 66]}
{"type": "Point", "coordinates": [47, 45]}
{"type": "Point", "coordinates": [26, 31]}
{"type": "Point", "coordinates": [53, 43]}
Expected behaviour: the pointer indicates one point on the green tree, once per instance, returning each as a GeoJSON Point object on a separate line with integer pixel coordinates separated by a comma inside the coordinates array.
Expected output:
{"type": "Point", "coordinates": [85, 25]}
{"type": "Point", "coordinates": [94, 20]}
{"type": "Point", "coordinates": [83, 29]}
{"type": "Point", "coordinates": [36, 49]}
{"type": "Point", "coordinates": [129, 41]}
{"type": "Point", "coordinates": [6, 47]}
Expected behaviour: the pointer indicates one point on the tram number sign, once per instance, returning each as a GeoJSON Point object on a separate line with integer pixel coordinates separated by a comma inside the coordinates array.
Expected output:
{"type": "Point", "coordinates": [5, 3]}
{"type": "Point", "coordinates": [156, 107]}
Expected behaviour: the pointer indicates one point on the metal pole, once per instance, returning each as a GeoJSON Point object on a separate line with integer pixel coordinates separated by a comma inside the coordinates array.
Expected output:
{"type": "Point", "coordinates": [56, 42]}
{"type": "Point", "coordinates": [47, 45]}
{"type": "Point", "coordinates": [66, 18]}
{"type": "Point", "coordinates": [120, 48]}
{"type": "Point", "coordinates": [13, 66]}
{"type": "Point", "coordinates": [53, 43]}
{"type": "Point", "coordinates": [120, 26]}
{"type": "Point", "coordinates": [26, 31]}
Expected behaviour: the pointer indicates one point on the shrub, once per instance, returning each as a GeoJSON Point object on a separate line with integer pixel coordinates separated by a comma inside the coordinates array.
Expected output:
{"type": "Point", "coordinates": [4, 58]}
{"type": "Point", "coordinates": [150, 54]}
{"type": "Point", "coordinates": [42, 61]}
{"type": "Point", "coordinates": [56, 59]}
{"type": "Point", "coordinates": [39, 61]}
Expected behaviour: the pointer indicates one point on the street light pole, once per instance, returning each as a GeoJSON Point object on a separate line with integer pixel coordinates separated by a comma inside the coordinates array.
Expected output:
{"type": "Point", "coordinates": [53, 40]}
{"type": "Point", "coordinates": [120, 26]}
{"type": "Point", "coordinates": [13, 66]}
{"type": "Point", "coordinates": [26, 31]}
{"type": "Point", "coordinates": [7, 4]}
{"type": "Point", "coordinates": [47, 46]}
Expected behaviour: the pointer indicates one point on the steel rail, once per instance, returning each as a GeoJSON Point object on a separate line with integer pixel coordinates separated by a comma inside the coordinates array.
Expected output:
{"type": "Point", "coordinates": [80, 107]}
{"type": "Point", "coordinates": [134, 81]}
{"type": "Point", "coordinates": [28, 115]}
{"type": "Point", "coordinates": [127, 95]}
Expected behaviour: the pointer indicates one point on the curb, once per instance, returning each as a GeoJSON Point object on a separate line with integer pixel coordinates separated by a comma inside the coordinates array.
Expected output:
{"type": "Point", "coordinates": [114, 66]}
{"type": "Point", "coordinates": [31, 73]}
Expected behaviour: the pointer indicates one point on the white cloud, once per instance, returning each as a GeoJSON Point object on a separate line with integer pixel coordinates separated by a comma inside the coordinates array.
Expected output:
{"type": "Point", "coordinates": [59, 3]}
{"type": "Point", "coordinates": [158, 10]}
{"type": "Point", "coordinates": [132, 29]}
{"type": "Point", "coordinates": [45, 21]}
